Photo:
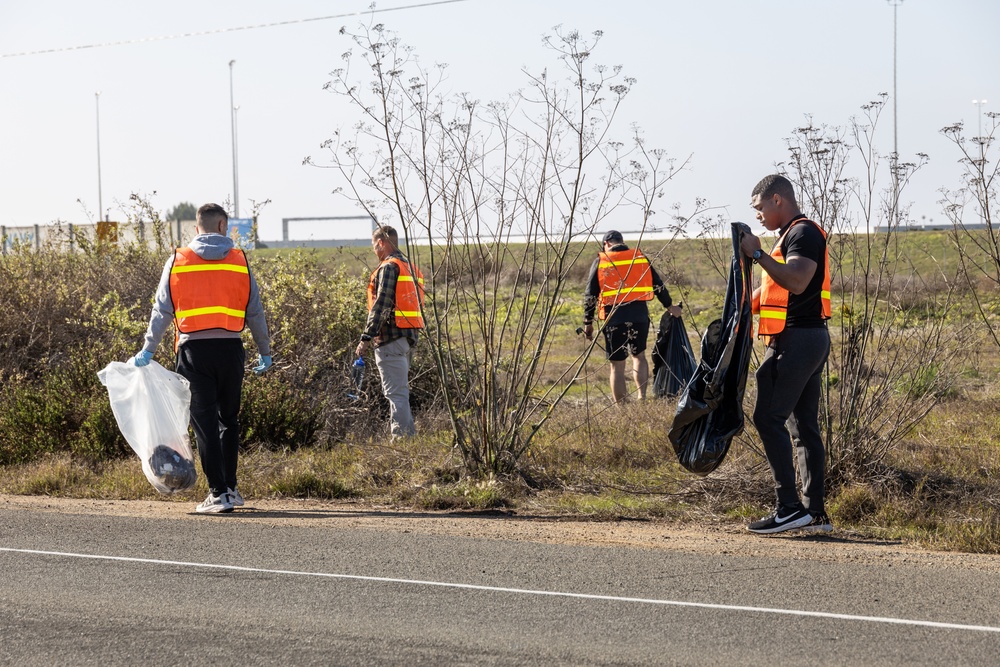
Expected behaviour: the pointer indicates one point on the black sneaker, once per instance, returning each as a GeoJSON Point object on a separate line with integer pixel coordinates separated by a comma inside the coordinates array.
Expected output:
{"type": "Point", "coordinates": [781, 519]}
{"type": "Point", "coordinates": [820, 524]}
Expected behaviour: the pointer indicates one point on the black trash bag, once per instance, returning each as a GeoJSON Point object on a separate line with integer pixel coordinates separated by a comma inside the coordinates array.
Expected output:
{"type": "Point", "coordinates": [673, 358]}
{"type": "Point", "coordinates": [710, 409]}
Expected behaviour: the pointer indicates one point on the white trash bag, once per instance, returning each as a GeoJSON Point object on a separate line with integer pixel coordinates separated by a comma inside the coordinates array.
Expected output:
{"type": "Point", "coordinates": [153, 407]}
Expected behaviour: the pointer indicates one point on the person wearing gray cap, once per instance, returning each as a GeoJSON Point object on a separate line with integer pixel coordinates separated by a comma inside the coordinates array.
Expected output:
{"type": "Point", "coordinates": [621, 282]}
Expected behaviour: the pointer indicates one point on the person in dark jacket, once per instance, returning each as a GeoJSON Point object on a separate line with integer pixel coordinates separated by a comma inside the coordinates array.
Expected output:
{"type": "Point", "coordinates": [621, 282]}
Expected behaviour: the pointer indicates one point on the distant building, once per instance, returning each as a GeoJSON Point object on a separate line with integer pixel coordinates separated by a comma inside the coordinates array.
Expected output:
{"type": "Point", "coordinates": [927, 228]}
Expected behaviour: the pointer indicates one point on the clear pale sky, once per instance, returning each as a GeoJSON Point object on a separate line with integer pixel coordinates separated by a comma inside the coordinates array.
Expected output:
{"type": "Point", "coordinates": [724, 81]}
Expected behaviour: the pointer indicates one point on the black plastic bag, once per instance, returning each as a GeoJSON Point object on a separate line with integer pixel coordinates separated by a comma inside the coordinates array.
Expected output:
{"type": "Point", "coordinates": [710, 409]}
{"type": "Point", "coordinates": [673, 358]}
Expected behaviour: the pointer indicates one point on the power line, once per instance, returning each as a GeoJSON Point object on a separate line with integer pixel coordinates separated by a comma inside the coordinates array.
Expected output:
{"type": "Point", "coordinates": [225, 30]}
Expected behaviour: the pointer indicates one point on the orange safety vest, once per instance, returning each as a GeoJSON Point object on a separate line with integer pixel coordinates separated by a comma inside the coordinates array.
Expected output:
{"type": "Point", "coordinates": [773, 299]}
{"type": "Point", "coordinates": [209, 294]}
{"type": "Point", "coordinates": [624, 276]}
{"type": "Point", "coordinates": [409, 294]}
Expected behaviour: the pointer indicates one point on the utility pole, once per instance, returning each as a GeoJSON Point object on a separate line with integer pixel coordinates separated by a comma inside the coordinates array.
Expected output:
{"type": "Point", "coordinates": [232, 123]}
{"type": "Point", "coordinates": [895, 118]}
{"type": "Point", "coordinates": [100, 200]}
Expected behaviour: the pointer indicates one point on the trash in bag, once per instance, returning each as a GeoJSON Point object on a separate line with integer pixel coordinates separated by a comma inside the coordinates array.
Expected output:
{"type": "Point", "coordinates": [673, 358]}
{"type": "Point", "coordinates": [152, 406]}
{"type": "Point", "coordinates": [710, 409]}
{"type": "Point", "coordinates": [171, 468]}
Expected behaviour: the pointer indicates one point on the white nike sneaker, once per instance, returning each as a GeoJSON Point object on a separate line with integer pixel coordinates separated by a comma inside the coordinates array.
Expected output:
{"type": "Point", "coordinates": [235, 497]}
{"type": "Point", "coordinates": [219, 504]}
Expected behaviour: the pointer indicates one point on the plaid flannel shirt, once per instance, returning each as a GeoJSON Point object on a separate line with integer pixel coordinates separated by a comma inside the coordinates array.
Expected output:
{"type": "Point", "coordinates": [381, 325]}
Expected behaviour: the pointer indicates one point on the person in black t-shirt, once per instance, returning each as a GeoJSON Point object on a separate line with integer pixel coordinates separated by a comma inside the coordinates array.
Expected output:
{"type": "Point", "coordinates": [794, 303]}
{"type": "Point", "coordinates": [626, 326]}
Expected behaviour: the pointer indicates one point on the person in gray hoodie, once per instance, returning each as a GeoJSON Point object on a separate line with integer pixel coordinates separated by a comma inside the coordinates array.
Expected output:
{"type": "Point", "coordinates": [209, 293]}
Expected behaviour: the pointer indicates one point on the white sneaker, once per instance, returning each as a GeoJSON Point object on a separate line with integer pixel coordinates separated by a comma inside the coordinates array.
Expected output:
{"type": "Point", "coordinates": [235, 498]}
{"type": "Point", "coordinates": [215, 504]}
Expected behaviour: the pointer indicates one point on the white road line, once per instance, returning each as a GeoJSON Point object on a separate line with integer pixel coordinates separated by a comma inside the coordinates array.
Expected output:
{"type": "Point", "coordinates": [521, 591]}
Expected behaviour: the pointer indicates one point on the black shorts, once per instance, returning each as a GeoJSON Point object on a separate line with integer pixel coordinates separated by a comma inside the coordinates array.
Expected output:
{"type": "Point", "coordinates": [624, 338]}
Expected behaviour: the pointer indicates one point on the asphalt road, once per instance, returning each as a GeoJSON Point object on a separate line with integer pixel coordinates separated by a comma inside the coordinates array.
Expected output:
{"type": "Point", "coordinates": [270, 587]}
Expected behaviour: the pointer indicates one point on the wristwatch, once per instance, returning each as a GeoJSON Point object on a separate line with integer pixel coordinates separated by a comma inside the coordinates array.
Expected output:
{"type": "Point", "coordinates": [757, 254]}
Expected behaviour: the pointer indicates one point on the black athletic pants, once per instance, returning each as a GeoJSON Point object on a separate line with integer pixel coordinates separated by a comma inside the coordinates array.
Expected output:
{"type": "Point", "coordinates": [787, 414]}
{"type": "Point", "coordinates": [214, 367]}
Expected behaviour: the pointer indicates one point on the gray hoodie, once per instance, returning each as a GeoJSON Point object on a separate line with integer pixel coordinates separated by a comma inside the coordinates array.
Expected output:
{"type": "Point", "coordinates": [207, 246]}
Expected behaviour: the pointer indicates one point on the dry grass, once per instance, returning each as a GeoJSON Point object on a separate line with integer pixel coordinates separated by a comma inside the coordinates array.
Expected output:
{"type": "Point", "coordinates": [939, 486]}
{"type": "Point", "coordinates": [940, 489]}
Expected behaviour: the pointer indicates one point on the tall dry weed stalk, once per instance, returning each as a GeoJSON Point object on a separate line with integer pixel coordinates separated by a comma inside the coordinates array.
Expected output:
{"type": "Point", "coordinates": [971, 209]}
{"type": "Point", "coordinates": [891, 363]}
{"type": "Point", "coordinates": [500, 191]}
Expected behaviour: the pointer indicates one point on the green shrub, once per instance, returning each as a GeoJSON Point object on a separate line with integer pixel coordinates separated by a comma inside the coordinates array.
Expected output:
{"type": "Point", "coordinates": [32, 421]}
{"type": "Point", "coordinates": [316, 311]}
{"type": "Point", "coordinates": [276, 416]}
{"type": "Point", "coordinates": [65, 315]}
{"type": "Point", "coordinates": [99, 438]}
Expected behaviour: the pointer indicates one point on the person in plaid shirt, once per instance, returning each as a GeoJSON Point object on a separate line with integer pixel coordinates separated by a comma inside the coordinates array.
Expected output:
{"type": "Point", "coordinates": [395, 299]}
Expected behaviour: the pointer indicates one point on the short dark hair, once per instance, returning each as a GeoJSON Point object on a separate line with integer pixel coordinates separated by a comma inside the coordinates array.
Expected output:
{"type": "Point", "coordinates": [775, 184]}
{"type": "Point", "coordinates": [212, 213]}
{"type": "Point", "coordinates": [613, 236]}
{"type": "Point", "coordinates": [386, 233]}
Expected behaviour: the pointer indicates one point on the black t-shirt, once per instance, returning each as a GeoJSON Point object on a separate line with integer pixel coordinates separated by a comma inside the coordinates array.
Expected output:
{"type": "Point", "coordinates": [804, 239]}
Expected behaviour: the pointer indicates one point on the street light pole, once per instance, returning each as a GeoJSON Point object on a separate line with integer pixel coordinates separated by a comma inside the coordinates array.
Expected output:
{"type": "Point", "coordinates": [980, 103]}
{"type": "Point", "coordinates": [100, 200]}
{"type": "Point", "coordinates": [232, 122]}
{"type": "Point", "coordinates": [981, 166]}
{"type": "Point", "coordinates": [236, 155]}
{"type": "Point", "coordinates": [895, 98]}
{"type": "Point", "coordinates": [895, 118]}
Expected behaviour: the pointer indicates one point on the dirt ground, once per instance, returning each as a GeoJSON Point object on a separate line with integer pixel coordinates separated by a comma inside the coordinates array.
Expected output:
{"type": "Point", "coordinates": [722, 538]}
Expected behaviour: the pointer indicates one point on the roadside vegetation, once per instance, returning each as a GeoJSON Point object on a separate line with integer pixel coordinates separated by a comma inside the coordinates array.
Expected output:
{"type": "Point", "coordinates": [66, 315]}
{"type": "Point", "coordinates": [512, 405]}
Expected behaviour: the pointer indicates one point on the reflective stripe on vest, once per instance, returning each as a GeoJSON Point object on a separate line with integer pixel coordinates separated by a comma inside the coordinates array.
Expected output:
{"type": "Point", "coordinates": [409, 294]}
{"type": "Point", "coordinates": [624, 276]}
{"type": "Point", "coordinates": [773, 308]}
{"type": "Point", "coordinates": [209, 294]}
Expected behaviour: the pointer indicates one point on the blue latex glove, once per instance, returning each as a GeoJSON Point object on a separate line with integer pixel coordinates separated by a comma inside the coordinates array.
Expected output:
{"type": "Point", "coordinates": [263, 363]}
{"type": "Point", "coordinates": [142, 359]}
